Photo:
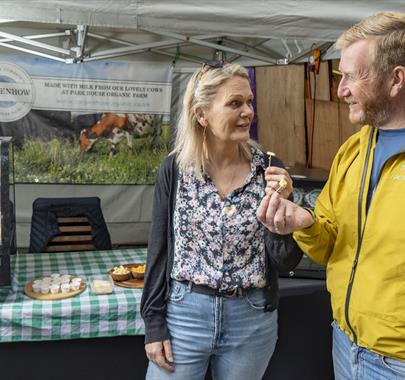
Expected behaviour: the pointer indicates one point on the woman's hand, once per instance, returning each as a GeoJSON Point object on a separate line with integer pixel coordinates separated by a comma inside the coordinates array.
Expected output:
{"type": "Point", "coordinates": [281, 216]}
{"type": "Point", "coordinates": [160, 353]}
{"type": "Point", "coordinates": [273, 175]}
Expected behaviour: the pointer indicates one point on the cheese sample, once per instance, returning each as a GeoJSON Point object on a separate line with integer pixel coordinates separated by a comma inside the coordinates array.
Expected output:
{"type": "Point", "coordinates": [101, 286]}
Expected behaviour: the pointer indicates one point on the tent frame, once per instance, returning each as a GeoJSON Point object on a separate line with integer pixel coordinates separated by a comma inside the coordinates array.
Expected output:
{"type": "Point", "coordinates": [80, 52]}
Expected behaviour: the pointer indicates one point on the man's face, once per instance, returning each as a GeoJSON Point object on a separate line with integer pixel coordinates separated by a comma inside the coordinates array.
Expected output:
{"type": "Point", "coordinates": [367, 95]}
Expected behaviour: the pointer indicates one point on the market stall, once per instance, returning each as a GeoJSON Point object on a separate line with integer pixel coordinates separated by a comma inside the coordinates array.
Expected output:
{"type": "Point", "coordinates": [101, 336]}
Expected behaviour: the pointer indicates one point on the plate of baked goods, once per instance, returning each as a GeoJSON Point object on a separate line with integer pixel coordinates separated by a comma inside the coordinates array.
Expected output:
{"type": "Point", "coordinates": [128, 275]}
{"type": "Point", "coordinates": [56, 286]}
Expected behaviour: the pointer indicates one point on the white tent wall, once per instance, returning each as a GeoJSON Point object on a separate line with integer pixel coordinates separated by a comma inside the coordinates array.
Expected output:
{"type": "Point", "coordinates": [252, 33]}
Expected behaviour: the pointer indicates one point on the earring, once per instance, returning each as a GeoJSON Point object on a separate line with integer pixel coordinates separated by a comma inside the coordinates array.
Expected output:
{"type": "Point", "coordinates": [205, 148]}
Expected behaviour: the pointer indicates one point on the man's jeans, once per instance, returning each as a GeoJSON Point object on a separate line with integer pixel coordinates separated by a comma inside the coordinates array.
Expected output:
{"type": "Point", "coordinates": [233, 334]}
{"type": "Point", "coordinates": [352, 362]}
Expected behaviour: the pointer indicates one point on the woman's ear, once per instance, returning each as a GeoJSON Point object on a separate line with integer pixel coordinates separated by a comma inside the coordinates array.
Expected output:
{"type": "Point", "coordinates": [398, 80]}
{"type": "Point", "coordinates": [200, 116]}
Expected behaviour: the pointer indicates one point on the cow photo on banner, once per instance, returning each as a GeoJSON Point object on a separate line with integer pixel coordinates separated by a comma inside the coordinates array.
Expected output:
{"type": "Point", "coordinates": [89, 123]}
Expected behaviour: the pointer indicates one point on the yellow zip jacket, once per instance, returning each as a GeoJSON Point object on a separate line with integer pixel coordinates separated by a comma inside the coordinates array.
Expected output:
{"type": "Point", "coordinates": [364, 253]}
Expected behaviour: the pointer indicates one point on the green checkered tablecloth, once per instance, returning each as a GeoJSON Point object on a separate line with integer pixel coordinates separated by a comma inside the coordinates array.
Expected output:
{"type": "Point", "coordinates": [84, 316]}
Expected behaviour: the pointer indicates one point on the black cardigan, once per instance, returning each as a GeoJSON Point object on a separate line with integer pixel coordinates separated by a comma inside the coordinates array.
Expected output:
{"type": "Point", "coordinates": [282, 254]}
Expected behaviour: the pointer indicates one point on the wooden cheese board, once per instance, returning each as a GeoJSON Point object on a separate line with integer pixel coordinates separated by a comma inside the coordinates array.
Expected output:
{"type": "Point", "coordinates": [49, 296]}
{"type": "Point", "coordinates": [134, 283]}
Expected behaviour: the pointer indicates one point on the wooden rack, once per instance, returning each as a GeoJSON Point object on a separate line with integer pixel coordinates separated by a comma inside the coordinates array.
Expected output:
{"type": "Point", "coordinates": [75, 235]}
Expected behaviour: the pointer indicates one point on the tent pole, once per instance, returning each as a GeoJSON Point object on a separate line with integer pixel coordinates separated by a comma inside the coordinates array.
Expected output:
{"type": "Point", "coordinates": [212, 45]}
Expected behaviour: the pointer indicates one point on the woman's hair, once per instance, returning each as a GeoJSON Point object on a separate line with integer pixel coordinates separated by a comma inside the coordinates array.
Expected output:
{"type": "Point", "coordinates": [200, 92]}
{"type": "Point", "coordinates": [388, 31]}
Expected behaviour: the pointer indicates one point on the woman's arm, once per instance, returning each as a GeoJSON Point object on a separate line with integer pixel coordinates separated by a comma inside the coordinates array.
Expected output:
{"type": "Point", "coordinates": [282, 250]}
{"type": "Point", "coordinates": [153, 304]}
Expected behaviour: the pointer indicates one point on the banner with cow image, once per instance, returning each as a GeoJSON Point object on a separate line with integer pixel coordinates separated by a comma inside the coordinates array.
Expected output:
{"type": "Point", "coordinates": [89, 123]}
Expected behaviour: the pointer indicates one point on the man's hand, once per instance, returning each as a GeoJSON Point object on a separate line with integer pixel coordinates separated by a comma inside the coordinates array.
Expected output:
{"type": "Point", "coordinates": [160, 353]}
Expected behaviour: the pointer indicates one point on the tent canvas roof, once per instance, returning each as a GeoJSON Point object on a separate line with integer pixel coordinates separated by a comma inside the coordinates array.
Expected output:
{"type": "Point", "coordinates": [256, 28]}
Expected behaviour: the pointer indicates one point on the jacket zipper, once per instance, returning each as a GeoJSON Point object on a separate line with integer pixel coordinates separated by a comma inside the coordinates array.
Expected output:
{"type": "Point", "coordinates": [360, 232]}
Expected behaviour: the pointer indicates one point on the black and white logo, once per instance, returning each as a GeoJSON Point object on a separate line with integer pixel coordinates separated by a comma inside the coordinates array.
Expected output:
{"type": "Point", "coordinates": [16, 92]}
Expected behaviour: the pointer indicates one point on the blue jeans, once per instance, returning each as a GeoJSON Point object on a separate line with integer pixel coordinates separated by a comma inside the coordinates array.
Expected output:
{"type": "Point", "coordinates": [352, 362]}
{"type": "Point", "coordinates": [234, 335]}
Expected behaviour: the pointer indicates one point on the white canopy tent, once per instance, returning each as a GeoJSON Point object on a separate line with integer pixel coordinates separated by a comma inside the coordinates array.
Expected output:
{"type": "Point", "coordinates": [251, 32]}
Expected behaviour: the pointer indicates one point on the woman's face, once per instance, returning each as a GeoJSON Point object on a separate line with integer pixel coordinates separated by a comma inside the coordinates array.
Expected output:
{"type": "Point", "coordinates": [231, 113]}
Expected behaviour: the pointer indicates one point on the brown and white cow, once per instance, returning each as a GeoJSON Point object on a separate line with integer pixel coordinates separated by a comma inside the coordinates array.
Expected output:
{"type": "Point", "coordinates": [147, 125]}
{"type": "Point", "coordinates": [110, 127]}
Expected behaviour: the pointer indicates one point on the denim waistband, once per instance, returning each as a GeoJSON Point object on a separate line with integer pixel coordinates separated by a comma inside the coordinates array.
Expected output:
{"type": "Point", "coordinates": [204, 289]}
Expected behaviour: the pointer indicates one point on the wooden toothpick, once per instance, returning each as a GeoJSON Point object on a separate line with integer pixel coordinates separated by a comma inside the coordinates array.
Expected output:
{"type": "Point", "coordinates": [270, 154]}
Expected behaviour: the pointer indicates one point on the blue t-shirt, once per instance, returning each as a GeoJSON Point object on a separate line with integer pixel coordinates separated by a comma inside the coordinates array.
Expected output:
{"type": "Point", "coordinates": [389, 142]}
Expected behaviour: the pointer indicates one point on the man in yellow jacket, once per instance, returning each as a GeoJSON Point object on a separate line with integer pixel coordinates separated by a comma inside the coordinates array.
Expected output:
{"type": "Point", "coordinates": [358, 227]}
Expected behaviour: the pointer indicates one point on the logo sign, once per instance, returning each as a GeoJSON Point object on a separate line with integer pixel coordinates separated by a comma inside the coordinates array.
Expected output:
{"type": "Point", "coordinates": [16, 92]}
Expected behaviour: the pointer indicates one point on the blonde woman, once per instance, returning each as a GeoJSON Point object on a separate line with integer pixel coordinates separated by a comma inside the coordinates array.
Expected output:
{"type": "Point", "coordinates": [210, 293]}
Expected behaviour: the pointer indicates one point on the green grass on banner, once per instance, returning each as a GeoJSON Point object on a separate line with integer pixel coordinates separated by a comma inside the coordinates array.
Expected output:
{"type": "Point", "coordinates": [60, 161]}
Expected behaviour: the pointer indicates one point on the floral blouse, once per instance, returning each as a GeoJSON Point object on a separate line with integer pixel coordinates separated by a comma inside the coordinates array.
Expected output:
{"type": "Point", "coordinates": [220, 243]}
